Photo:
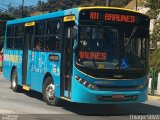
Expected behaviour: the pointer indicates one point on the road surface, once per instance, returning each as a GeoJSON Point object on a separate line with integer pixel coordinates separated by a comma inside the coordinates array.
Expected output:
{"type": "Point", "coordinates": [30, 106]}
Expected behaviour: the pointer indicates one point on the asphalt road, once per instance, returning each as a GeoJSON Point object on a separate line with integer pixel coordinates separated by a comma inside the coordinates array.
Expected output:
{"type": "Point", "coordinates": [30, 106]}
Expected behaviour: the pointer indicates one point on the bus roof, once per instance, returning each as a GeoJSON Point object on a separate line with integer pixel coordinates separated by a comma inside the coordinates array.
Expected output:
{"type": "Point", "coordinates": [72, 11]}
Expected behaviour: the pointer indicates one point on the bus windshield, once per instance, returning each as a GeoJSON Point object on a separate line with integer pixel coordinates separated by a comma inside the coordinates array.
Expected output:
{"type": "Point", "coordinates": [109, 47]}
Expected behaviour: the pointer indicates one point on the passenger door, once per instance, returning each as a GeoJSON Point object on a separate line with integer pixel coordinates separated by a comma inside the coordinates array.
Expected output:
{"type": "Point", "coordinates": [26, 80]}
{"type": "Point", "coordinates": [67, 60]}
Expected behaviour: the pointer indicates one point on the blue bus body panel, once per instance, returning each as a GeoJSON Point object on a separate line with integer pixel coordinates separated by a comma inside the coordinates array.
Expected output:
{"type": "Point", "coordinates": [63, 13]}
{"type": "Point", "coordinates": [40, 65]}
{"type": "Point", "coordinates": [12, 58]}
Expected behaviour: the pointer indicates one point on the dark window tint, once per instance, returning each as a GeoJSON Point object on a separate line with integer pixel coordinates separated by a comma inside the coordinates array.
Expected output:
{"type": "Point", "coordinates": [40, 28]}
{"type": "Point", "coordinates": [19, 30]}
{"type": "Point", "coordinates": [10, 43]}
{"type": "Point", "coordinates": [53, 27]}
{"type": "Point", "coordinates": [38, 43]}
{"type": "Point", "coordinates": [10, 36]}
{"type": "Point", "coordinates": [15, 36]}
{"type": "Point", "coordinates": [10, 31]}
{"type": "Point", "coordinates": [18, 43]}
{"type": "Point", "coordinates": [52, 44]}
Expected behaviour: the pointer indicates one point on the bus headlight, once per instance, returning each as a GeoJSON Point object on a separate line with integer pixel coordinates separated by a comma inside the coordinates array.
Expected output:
{"type": "Point", "coordinates": [85, 83]}
{"type": "Point", "coordinates": [143, 85]}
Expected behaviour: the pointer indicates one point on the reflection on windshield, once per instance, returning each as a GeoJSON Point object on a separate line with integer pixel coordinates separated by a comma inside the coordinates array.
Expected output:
{"type": "Point", "coordinates": [106, 48]}
{"type": "Point", "coordinates": [99, 46]}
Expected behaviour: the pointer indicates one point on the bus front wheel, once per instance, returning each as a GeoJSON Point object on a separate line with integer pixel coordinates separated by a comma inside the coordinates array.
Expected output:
{"type": "Point", "coordinates": [49, 92]}
{"type": "Point", "coordinates": [14, 81]}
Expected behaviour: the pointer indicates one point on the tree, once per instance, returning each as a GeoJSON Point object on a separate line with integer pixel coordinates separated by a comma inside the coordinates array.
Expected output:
{"type": "Point", "coordinates": [119, 3]}
{"type": "Point", "coordinates": [3, 18]}
{"type": "Point", "coordinates": [54, 5]}
{"type": "Point", "coordinates": [153, 4]}
{"type": "Point", "coordinates": [155, 38]}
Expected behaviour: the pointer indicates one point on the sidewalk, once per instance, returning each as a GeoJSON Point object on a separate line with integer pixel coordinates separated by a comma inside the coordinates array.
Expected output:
{"type": "Point", "coordinates": [153, 97]}
{"type": "Point", "coordinates": [1, 75]}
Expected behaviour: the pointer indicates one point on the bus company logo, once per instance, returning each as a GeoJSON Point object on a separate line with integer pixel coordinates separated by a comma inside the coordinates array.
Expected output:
{"type": "Point", "coordinates": [12, 58]}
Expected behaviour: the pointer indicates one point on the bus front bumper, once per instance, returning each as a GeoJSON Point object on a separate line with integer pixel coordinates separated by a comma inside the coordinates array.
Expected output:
{"type": "Point", "coordinates": [81, 94]}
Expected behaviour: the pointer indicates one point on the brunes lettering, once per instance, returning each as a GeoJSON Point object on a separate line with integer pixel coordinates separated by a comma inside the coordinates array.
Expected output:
{"type": "Point", "coordinates": [93, 55]}
{"type": "Point", "coordinates": [120, 18]}
{"type": "Point", "coordinates": [112, 17]}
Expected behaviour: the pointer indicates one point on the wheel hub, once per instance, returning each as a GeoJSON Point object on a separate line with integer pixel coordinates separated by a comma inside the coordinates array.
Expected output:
{"type": "Point", "coordinates": [13, 82]}
{"type": "Point", "coordinates": [50, 92]}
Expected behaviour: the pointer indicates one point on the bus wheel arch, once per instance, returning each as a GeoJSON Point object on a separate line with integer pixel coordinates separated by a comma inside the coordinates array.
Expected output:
{"type": "Point", "coordinates": [48, 91]}
{"type": "Point", "coordinates": [14, 79]}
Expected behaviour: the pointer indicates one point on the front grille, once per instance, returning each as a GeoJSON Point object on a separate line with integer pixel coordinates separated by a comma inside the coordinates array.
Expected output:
{"type": "Point", "coordinates": [117, 88]}
{"type": "Point", "coordinates": [110, 99]}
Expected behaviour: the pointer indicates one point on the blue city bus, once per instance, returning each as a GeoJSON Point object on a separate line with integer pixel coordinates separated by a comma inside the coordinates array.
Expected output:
{"type": "Point", "coordinates": [94, 55]}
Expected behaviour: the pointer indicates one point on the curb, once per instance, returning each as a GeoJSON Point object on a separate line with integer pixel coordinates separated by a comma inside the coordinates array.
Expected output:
{"type": "Point", "coordinates": [153, 97]}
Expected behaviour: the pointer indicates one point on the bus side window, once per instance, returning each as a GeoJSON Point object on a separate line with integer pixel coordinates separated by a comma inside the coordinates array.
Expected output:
{"type": "Point", "coordinates": [10, 43]}
{"type": "Point", "coordinates": [52, 42]}
{"type": "Point", "coordinates": [39, 35]}
{"type": "Point", "coordinates": [18, 36]}
{"type": "Point", "coordinates": [10, 36]}
{"type": "Point", "coordinates": [38, 44]}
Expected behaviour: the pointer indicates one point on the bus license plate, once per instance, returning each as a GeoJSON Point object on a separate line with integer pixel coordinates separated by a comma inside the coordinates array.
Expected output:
{"type": "Point", "coordinates": [118, 96]}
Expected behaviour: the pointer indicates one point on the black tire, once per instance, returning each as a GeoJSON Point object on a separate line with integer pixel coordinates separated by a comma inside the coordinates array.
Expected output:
{"type": "Point", "coordinates": [49, 92]}
{"type": "Point", "coordinates": [14, 81]}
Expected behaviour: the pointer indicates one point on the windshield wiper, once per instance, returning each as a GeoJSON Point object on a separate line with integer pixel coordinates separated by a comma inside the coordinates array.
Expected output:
{"type": "Point", "coordinates": [82, 63]}
{"type": "Point", "coordinates": [129, 39]}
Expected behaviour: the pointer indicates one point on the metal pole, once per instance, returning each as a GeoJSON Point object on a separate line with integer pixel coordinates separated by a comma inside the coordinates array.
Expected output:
{"type": "Point", "coordinates": [152, 89]}
{"type": "Point", "coordinates": [22, 8]}
{"type": "Point", "coordinates": [108, 2]}
{"type": "Point", "coordinates": [136, 4]}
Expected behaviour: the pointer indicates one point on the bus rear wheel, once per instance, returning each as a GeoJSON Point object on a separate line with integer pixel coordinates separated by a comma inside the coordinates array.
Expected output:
{"type": "Point", "coordinates": [14, 81]}
{"type": "Point", "coordinates": [49, 92]}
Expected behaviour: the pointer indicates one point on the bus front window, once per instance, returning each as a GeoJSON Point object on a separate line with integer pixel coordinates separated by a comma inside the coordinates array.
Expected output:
{"type": "Point", "coordinates": [109, 47]}
{"type": "Point", "coordinates": [98, 47]}
{"type": "Point", "coordinates": [135, 45]}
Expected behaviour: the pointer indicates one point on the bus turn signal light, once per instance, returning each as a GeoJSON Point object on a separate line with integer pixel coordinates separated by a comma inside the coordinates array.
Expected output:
{"type": "Point", "coordinates": [85, 83]}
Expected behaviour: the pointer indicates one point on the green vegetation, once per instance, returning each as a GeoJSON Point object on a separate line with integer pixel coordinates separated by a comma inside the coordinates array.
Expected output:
{"type": "Point", "coordinates": [155, 36]}
{"type": "Point", "coordinates": [3, 18]}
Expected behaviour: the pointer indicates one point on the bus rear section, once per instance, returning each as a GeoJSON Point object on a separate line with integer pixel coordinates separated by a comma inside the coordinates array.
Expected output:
{"type": "Point", "coordinates": [111, 57]}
